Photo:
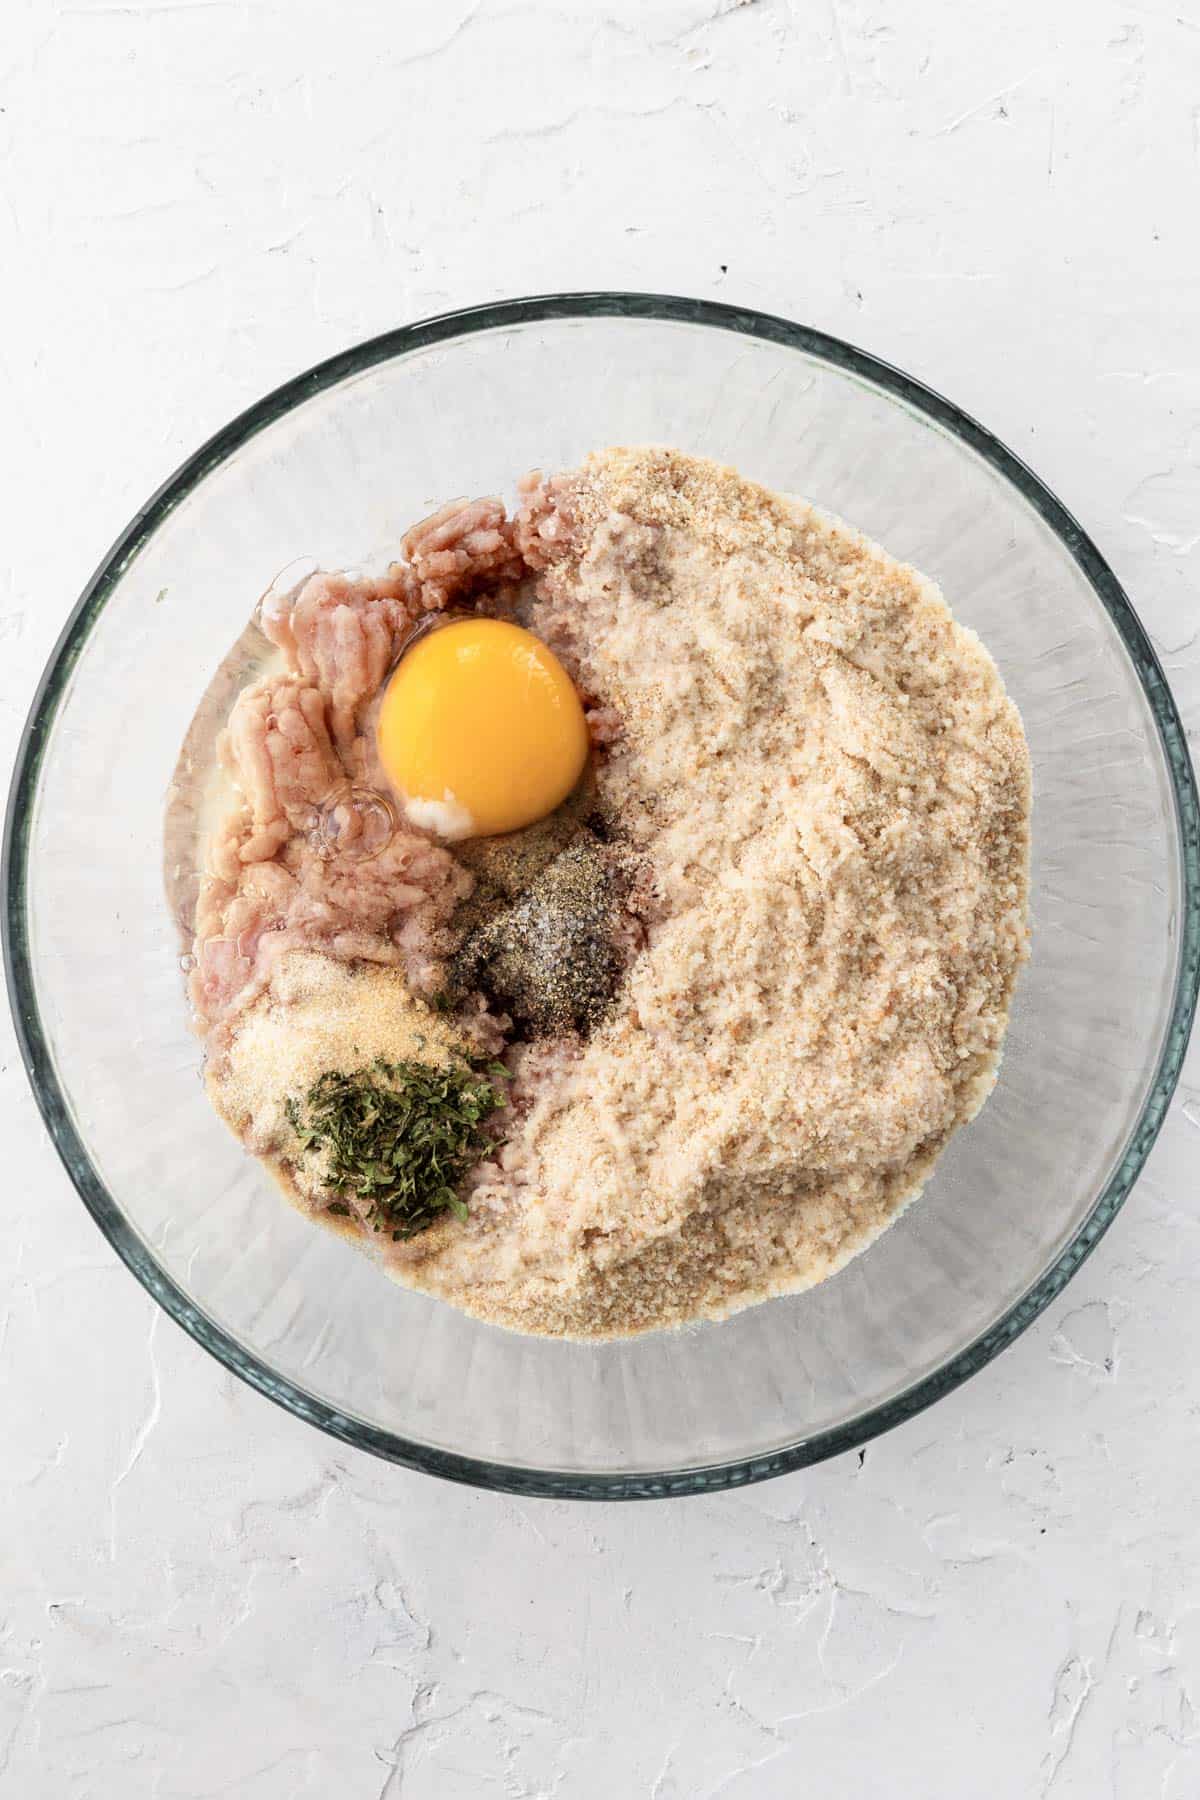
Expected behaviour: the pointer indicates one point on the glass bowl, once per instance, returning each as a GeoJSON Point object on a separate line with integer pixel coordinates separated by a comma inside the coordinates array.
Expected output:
{"type": "Point", "coordinates": [332, 467]}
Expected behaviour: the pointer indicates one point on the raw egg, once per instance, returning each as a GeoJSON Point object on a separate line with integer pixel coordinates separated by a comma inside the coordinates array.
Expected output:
{"type": "Point", "coordinates": [481, 730]}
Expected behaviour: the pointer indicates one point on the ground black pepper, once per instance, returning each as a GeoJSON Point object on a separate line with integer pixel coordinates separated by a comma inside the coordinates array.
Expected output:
{"type": "Point", "coordinates": [549, 957]}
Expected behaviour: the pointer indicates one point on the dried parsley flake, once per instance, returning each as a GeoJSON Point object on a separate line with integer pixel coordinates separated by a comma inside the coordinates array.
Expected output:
{"type": "Point", "coordinates": [398, 1138]}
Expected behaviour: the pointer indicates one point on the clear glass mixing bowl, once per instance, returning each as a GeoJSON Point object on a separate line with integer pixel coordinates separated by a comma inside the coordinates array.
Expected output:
{"type": "Point", "coordinates": [332, 467]}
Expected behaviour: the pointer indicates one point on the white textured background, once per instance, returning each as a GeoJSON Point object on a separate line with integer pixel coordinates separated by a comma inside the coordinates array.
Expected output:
{"type": "Point", "coordinates": [199, 1595]}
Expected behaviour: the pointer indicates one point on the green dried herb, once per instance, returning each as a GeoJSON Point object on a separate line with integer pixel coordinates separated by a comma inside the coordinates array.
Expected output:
{"type": "Point", "coordinates": [399, 1137]}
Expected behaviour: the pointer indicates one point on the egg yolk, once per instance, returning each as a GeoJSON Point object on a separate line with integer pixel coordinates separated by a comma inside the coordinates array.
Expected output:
{"type": "Point", "coordinates": [481, 730]}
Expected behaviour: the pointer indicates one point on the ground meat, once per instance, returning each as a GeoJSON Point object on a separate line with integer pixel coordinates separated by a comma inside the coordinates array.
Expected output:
{"type": "Point", "coordinates": [544, 528]}
{"type": "Point", "coordinates": [462, 547]}
{"type": "Point", "coordinates": [280, 753]}
{"type": "Point", "coordinates": [343, 635]}
{"type": "Point", "coordinates": [220, 974]}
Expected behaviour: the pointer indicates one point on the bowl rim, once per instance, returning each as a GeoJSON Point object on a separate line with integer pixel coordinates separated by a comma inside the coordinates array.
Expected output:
{"type": "Point", "coordinates": [52, 1101]}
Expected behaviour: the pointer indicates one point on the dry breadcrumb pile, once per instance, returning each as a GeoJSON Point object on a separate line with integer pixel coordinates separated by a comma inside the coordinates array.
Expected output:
{"type": "Point", "coordinates": [824, 774]}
